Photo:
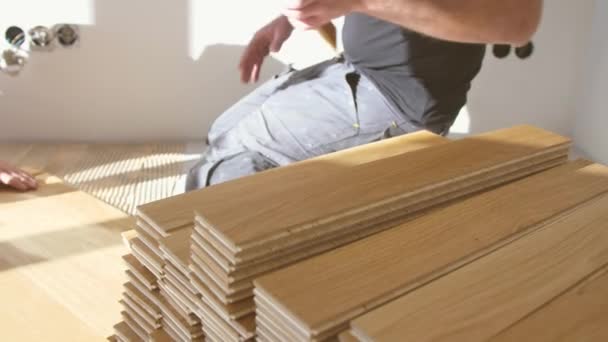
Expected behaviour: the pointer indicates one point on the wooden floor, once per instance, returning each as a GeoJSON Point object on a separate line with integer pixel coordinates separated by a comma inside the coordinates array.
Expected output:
{"type": "Point", "coordinates": [61, 268]}
{"type": "Point", "coordinates": [122, 175]}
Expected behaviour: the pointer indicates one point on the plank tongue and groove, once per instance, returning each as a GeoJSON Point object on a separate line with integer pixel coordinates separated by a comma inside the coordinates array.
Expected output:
{"type": "Point", "coordinates": [164, 227]}
{"type": "Point", "coordinates": [488, 295]}
{"type": "Point", "coordinates": [415, 252]}
{"type": "Point", "coordinates": [275, 212]}
{"type": "Point", "coordinates": [177, 211]}
{"type": "Point", "coordinates": [273, 257]}
{"type": "Point", "coordinates": [580, 314]}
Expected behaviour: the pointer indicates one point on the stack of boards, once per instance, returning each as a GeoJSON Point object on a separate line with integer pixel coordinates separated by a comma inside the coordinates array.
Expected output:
{"type": "Point", "coordinates": [379, 211]}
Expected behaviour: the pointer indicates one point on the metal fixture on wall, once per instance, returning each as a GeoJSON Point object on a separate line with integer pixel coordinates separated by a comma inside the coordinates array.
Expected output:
{"type": "Point", "coordinates": [67, 35]}
{"type": "Point", "coordinates": [15, 36]}
{"type": "Point", "coordinates": [40, 38]}
{"type": "Point", "coordinates": [12, 61]}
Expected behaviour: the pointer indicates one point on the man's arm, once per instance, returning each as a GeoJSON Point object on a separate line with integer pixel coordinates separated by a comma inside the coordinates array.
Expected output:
{"type": "Point", "coordinates": [472, 21]}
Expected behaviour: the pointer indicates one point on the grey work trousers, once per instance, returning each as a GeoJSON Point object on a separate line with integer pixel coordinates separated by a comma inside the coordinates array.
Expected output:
{"type": "Point", "coordinates": [295, 116]}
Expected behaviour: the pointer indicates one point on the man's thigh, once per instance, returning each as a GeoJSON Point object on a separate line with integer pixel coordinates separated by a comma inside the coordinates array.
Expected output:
{"type": "Point", "coordinates": [337, 109]}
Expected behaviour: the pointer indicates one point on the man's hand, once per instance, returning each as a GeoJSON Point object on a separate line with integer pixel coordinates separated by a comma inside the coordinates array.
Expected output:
{"type": "Point", "coordinates": [310, 14]}
{"type": "Point", "coordinates": [16, 178]}
{"type": "Point", "coordinates": [268, 39]}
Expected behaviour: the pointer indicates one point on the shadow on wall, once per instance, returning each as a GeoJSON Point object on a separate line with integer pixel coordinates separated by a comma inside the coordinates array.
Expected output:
{"type": "Point", "coordinates": [131, 76]}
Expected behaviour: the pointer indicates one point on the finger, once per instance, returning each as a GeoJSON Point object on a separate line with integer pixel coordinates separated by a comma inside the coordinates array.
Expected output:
{"type": "Point", "coordinates": [28, 180]}
{"type": "Point", "coordinates": [255, 74]}
{"type": "Point", "coordinates": [276, 43]}
{"type": "Point", "coordinates": [245, 66]}
{"type": "Point", "coordinates": [16, 183]}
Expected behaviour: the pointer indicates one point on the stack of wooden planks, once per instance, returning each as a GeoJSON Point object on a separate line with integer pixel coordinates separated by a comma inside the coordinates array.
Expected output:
{"type": "Point", "coordinates": [159, 298]}
{"type": "Point", "coordinates": [392, 216]}
{"type": "Point", "coordinates": [316, 299]}
{"type": "Point", "coordinates": [163, 244]}
{"type": "Point", "coordinates": [307, 215]}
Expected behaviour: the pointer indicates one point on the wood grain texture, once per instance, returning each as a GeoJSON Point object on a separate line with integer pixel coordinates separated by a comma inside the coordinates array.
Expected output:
{"type": "Point", "coordinates": [347, 336]}
{"type": "Point", "coordinates": [483, 298]}
{"type": "Point", "coordinates": [177, 211]}
{"type": "Point", "coordinates": [26, 309]}
{"type": "Point", "coordinates": [418, 251]}
{"type": "Point", "coordinates": [232, 278]}
{"type": "Point", "coordinates": [580, 314]}
{"type": "Point", "coordinates": [274, 211]}
{"type": "Point", "coordinates": [122, 175]}
{"type": "Point", "coordinates": [65, 243]}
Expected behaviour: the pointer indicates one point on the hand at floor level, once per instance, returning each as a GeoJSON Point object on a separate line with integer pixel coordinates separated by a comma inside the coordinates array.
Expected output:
{"type": "Point", "coordinates": [16, 178]}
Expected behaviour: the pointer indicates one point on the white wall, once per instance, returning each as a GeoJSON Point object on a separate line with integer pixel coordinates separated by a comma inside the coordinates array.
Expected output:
{"type": "Point", "coordinates": [591, 128]}
{"type": "Point", "coordinates": [145, 69]}
{"type": "Point", "coordinates": [150, 70]}
{"type": "Point", "coordinates": [540, 90]}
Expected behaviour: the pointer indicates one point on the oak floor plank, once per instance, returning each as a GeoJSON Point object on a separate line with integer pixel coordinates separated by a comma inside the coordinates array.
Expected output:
{"type": "Point", "coordinates": [418, 251]}
{"type": "Point", "coordinates": [177, 211]}
{"type": "Point", "coordinates": [580, 314]}
{"type": "Point", "coordinates": [273, 211]}
{"type": "Point", "coordinates": [486, 296]}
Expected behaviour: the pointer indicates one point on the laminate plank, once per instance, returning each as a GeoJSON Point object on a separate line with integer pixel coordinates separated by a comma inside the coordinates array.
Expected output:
{"type": "Point", "coordinates": [147, 257]}
{"type": "Point", "coordinates": [418, 251]}
{"type": "Point", "coordinates": [178, 299]}
{"type": "Point", "coordinates": [128, 236]}
{"type": "Point", "coordinates": [147, 325]}
{"type": "Point", "coordinates": [177, 211]}
{"type": "Point", "coordinates": [176, 246]}
{"type": "Point", "coordinates": [134, 325]}
{"type": "Point", "coordinates": [174, 275]}
{"type": "Point", "coordinates": [210, 270]}
{"type": "Point", "coordinates": [233, 311]}
{"type": "Point", "coordinates": [200, 277]}
{"type": "Point", "coordinates": [139, 297]}
{"type": "Point", "coordinates": [488, 295]}
{"type": "Point", "coordinates": [230, 330]}
{"type": "Point", "coordinates": [125, 333]}
{"type": "Point", "coordinates": [271, 212]}
{"type": "Point", "coordinates": [216, 265]}
{"type": "Point", "coordinates": [174, 311]}
{"type": "Point", "coordinates": [151, 295]}
{"type": "Point", "coordinates": [140, 271]}
{"type": "Point", "coordinates": [370, 222]}
{"type": "Point", "coordinates": [143, 311]}
{"type": "Point", "coordinates": [580, 314]}
{"type": "Point", "coordinates": [347, 336]}
{"type": "Point", "coordinates": [160, 336]}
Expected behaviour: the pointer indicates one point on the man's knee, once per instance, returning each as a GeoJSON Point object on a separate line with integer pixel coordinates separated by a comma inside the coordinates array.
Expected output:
{"type": "Point", "coordinates": [206, 173]}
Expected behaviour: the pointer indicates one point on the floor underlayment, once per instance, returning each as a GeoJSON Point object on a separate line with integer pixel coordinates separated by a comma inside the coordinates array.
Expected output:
{"type": "Point", "coordinates": [122, 175]}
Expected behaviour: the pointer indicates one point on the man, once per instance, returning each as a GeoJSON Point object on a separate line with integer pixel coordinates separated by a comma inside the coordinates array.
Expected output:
{"type": "Point", "coordinates": [16, 178]}
{"type": "Point", "coordinates": [407, 66]}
